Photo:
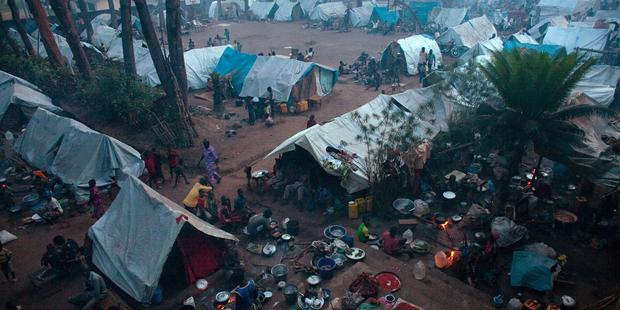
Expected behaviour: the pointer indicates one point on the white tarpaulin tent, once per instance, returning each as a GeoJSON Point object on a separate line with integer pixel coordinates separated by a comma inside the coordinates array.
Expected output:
{"type": "Point", "coordinates": [540, 29]}
{"type": "Point", "coordinates": [450, 17]}
{"type": "Point", "coordinates": [411, 47]}
{"type": "Point", "coordinates": [308, 5]}
{"type": "Point", "coordinates": [599, 83]}
{"type": "Point", "coordinates": [199, 64]}
{"type": "Point", "coordinates": [133, 239]}
{"type": "Point", "coordinates": [469, 33]}
{"type": "Point", "coordinates": [63, 46]}
{"type": "Point", "coordinates": [550, 8]}
{"type": "Point", "coordinates": [341, 132]}
{"type": "Point", "coordinates": [577, 37]}
{"type": "Point", "coordinates": [522, 38]}
{"type": "Point", "coordinates": [14, 90]}
{"type": "Point", "coordinates": [75, 153]}
{"type": "Point", "coordinates": [285, 12]}
{"type": "Point", "coordinates": [328, 11]}
{"type": "Point", "coordinates": [103, 35]}
{"type": "Point", "coordinates": [262, 10]}
{"type": "Point", "coordinates": [605, 15]}
{"type": "Point", "coordinates": [360, 16]}
{"type": "Point", "coordinates": [281, 74]}
{"type": "Point", "coordinates": [484, 48]}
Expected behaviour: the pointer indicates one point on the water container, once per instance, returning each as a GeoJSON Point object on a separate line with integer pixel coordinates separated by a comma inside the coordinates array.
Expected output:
{"type": "Point", "coordinates": [158, 296]}
{"type": "Point", "coordinates": [419, 270]}
{"type": "Point", "coordinates": [326, 267]}
{"type": "Point", "coordinates": [369, 202]}
{"type": "Point", "coordinates": [361, 205]}
{"type": "Point", "coordinates": [353, 212]}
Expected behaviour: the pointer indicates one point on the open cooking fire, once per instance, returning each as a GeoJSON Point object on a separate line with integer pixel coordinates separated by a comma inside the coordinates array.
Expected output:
{"type": "Point", "coordinates": [452, 257]}
{"type": "Point", "coordinates": [444, 225]}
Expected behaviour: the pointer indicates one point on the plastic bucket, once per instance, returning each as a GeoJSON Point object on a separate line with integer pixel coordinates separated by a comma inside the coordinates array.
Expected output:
{"type": "Point", "coordinates": [326, 267]}
{"type": "Point", "coordinates": [290, 294]}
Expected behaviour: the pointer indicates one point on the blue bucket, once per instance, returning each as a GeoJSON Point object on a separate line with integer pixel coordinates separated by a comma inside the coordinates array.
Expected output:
{"type": "Point", "coordinates": [326, 267]}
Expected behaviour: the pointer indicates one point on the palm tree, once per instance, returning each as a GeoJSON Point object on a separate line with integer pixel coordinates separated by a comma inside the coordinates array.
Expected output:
{"type": "Point", "coordinates": [534, 88]}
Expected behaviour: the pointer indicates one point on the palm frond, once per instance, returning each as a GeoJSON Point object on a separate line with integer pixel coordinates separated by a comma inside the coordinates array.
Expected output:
{"type": "Point", "coordinates": [581, 110]}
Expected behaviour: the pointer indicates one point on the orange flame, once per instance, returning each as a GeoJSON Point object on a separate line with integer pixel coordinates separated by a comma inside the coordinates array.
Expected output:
{"type": "Point", "coordinates": [444, 225]}
{"type": "Point", "coordinates": [452, 257]}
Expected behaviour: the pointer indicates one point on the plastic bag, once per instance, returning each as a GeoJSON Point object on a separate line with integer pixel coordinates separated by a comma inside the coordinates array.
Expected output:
{"type": "Point", "coordinates": [441, 260]}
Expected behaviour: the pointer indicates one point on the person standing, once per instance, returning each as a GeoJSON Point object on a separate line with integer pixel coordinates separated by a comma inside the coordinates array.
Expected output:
{"type": "Point", "coordinates": [95, 291]}
{"type": "Point", "coordinates": [173, 158]}
{"type": "Point", "coordinates": [422, 58]}
{"type": "Point", "coordinates": [227, 35]}
{"type": "Point", "coordinates": [249, 105]}
{"type": "Point", "coordinates": [430, 61]}
{"type": "Point", "coordinates": [211, 162]}
{"type": "Point", "coordinates": [362, 230]}
{"type": "Point", "coordinates": [95, 200]}
{"type": "Point", "coordinates": [158, 165]}
{"type": "Point", "coordinates": [179, 172]}
{"type": "Point", "coordinates": [6, 265]}
{"type": "Point", "coordinates": [271, 102]}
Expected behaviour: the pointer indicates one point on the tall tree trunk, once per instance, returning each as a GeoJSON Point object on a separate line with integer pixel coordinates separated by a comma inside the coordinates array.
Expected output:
{"type": "Point", "coordinates": [113, 21]}
{"type": "Point", "coordinates": [84, 14]}
{"type": "Point", "coordinates": [4, 36]}
{"type": "Point", "coordinates": [20, 28]}
{"type": "Point", "coordinates": [40, 16]}
{"type": "Point", "coordinates": [162, 18]}
{"type": "Point", "coordinates": [175, 45]}
{"type": "Point", "coordinates": [129, 59]}
{"type": "Point", "coordinates": [155, 50]}
{"type": "Point", "coordinates": [246, 6]}
{"type": "Point", "coordinates": [61, 9]}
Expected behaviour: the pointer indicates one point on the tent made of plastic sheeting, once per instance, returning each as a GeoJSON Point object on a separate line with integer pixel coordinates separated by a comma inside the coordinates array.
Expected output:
{"type": "Point", "coordinates": [288, 77]}
{"type": "Point", "coordinates": [75, 153]}
{"type": "Point", "coordinates": [469, 33]}
{"type": "Point", "coordinates": [522, 38]}
{"type": "Point", "coordinates": [199, 64]}
{"type": "Point", "coordinates": [540, 29]}
{"type": "Point", "coordinates": [63, 46]}
{"type": "Point", "coordinates": [410, 47]}
{"type": "Point", "coordinates": [360, 16]}
{"type": "Point", "coordinates": [577, 37]}
{"type": "Point", "coordinates": [484, 48]}
{"type": "Point", "coordinates": [235, 66]}
{"type": "Point", "coordinates": [599, 83]}
{"type": "Point", "coordinates": [550, 8]}
{"type": "Point", "coordinates": [422, 9]}
{"type": "Point", "coordinates": [105, 19]}
{"type": "Point", "coordinates": [132, 241]}
{"type": "Point", "coordinates": [545, 48]}
{"type": "Point", "coordinates": [104, 35]}
{"type": "Point", "coordinates": [263, 10]}
{"type": "Point", "coordinates": [17, 91]}
{"type": "Point", "coordinates": [385, 16]}
{"type": "Point", "coordinates": [450, 17]}
{"type": "Point", "coordinates": [288, 11]}
{"type": "Point", "coordinates": [432, 108]}
{"type": "Point", "coordinates": [308, 5]}
{"type": "Point", "coordinates": [328, 11]}
{"type": "Point", "coordinates": [531, 270]}
{"type": "Point", "coordinates": [229, 9]}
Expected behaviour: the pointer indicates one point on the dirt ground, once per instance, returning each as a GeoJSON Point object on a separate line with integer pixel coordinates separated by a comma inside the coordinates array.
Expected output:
{"type": "Point", "coordinates": [248, 147]}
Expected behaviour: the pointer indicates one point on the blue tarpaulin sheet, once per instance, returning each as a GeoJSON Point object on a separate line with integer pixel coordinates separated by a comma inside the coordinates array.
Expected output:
{"type": "Point", "coordinates": [422, 9]}
{"type": "Point", "coordinates": [384, 15]}
{"type": "Point", "coordinates": [236, 65]}
{"type": "Point", "coordinates": [545, 48]}
{"type": "Point", "coordinates": [531, 270]}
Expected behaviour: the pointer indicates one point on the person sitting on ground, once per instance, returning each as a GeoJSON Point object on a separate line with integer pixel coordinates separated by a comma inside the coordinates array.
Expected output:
{"type": "Point", "coordinates": [309, 55]}
{"type": "Point", "coordinates": [325, 197]}
{"type": "Point", "coordinates": [311, 121]}
{"type": "Point", "coordinates": [191, 45]}
{"type": "Point", "coordinates": [269, 121]}
{"type": "Point", "coordinates": [51, 209]}
{"type": "Point", "coordinates": [362, 230]}
{"type": "Point", "coordinates": [228, 217]}
{"type": "Point", "coordinates": [201, 204]}
{"type": "Point", "coordinates": [192, 197]}
{"type": "Point", "coordinates": [258, 223]}
{"type": "Point", "coordinates": [50, 260]}
{"type": "Point", "coordinates": [290, 190]}
{"type": "Point", "coordinates": [451, 185]}
{"type": "Point", "coordinates": [393, 244]}
{"type": "Point", "coordinates": [5, 264]}
{"type": "Point", "coordinates": [95, 291]}
{"type": "Point", "coordinates": [300, 56]}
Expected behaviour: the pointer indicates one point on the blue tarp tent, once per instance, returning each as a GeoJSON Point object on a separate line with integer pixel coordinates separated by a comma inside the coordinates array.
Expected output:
{"type": "Point", "coordinates": [531, 270]}
{"type": "Point", "coordinates": [236, 65]}
{"type": "Point", "coordinates": [422, 9]}
{"type": "Point", "coordinates": [546, 48]}
{"type": "Point", "coordinates": [384, 16]}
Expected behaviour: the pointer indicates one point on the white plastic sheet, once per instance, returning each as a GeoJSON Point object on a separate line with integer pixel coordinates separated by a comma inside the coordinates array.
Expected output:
{"type": "Point", "coordinates": [14, 90]}
{"type": "Point", "coordinates": [450, 17]}
{"type": "Point", "coordinates": [540, 29]}
{"type": "Point", "coordinates": [285, 10]}
{"type": "Point", "coordinates": [412, 46]}
{"type": "Point", "coordinates": [328, 11]}
{"type": "Point", "coordinates": [577, 37]}
{"type": "Point", "coordinates": [262, 9]}
{"type": "Point", "coordinates": [469, 33]}
{"type": "Point", "coordinates": [484, 48]}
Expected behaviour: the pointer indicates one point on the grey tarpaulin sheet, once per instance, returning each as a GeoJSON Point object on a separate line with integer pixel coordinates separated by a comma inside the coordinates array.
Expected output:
{"type": "Point", "coordinates": [577, 37]}
{"type": "Point", "coordinates": [469, 33]}
{"type": "Point", "coordinates": [412, 46]}
{"type": "Point", "coordinates": [484, 48]}
{"type": "Point", "coordinates": [14, 90]}
{"type": "Point", "coordinates": [262, 10]}
{"type": "Point", "coordinates": [341, 132]}
{"type": "Point", "coordinates": [133, 239]}
{"type": "Point", "coordinates": [450, 17]}
{"type": "Point", "coordinates": [328, 11]}
{"type": "Point", "coordinates": [74, 152]}
{"type": "Point", "coordinates": [540, 29]}
{"type": "Point", "coordinates": [285, 10]}
{"type": "Point", "coordinates": [360, 16]}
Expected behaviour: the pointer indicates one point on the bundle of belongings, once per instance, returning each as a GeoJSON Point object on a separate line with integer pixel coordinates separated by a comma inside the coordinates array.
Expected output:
{"type": "Point", "coordinates": [506, 232]}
